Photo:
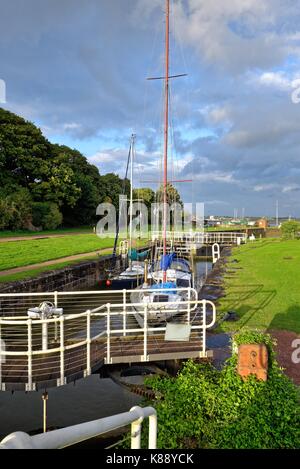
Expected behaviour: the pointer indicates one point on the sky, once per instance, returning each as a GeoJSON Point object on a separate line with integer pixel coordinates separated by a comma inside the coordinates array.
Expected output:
{"type": "Point", "coordinates": [78, 69]}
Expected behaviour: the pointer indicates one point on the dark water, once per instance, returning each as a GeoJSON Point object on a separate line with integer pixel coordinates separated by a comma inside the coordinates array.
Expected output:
{"type": "Point", "coordinates": [89, 399]}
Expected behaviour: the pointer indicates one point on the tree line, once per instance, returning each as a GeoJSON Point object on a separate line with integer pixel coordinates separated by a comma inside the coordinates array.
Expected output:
{"type": "Point", "coordinates": [45, 185]}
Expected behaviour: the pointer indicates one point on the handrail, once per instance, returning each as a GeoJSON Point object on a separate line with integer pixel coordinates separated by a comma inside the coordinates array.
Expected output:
{"type": "Point", "coordinates": [48, 346]}
{"type": "Point", "coordinates": [75, 434]}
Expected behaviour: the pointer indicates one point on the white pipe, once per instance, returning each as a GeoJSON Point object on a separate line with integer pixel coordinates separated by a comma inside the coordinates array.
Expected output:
{"type": "Point", "coordinates": [77, 433]}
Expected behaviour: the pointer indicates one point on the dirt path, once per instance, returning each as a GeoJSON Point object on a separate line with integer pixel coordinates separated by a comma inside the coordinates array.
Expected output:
{"type": "Point", "coordinates": [42, 236]}
{"type": "Point", "coordinates": [53, 262]}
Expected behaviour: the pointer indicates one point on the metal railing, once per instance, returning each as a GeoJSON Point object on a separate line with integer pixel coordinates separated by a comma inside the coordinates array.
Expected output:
{"type": "Point", "coordinates": [75, 434]}
{"type": "Point", "coordinates": [202, 237]}
{"type": "Point", "coordinates": [51, 352]}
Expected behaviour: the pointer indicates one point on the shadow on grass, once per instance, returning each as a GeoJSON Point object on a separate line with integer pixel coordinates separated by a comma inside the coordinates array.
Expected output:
{"type": "Point", "coordinates": [287, 320]}
{"type": "Point", "coordinates": [246, 301]}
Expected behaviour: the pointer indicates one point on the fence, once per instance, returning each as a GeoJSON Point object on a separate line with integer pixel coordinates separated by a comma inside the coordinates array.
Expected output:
{"type": "Point", "coordinates": [200, 238]}
{"type": "Point", "coordinates": [46, 352]}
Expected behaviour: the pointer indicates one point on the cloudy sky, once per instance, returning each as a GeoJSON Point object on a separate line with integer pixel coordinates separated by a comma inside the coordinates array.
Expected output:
{"type": "Point", "coordinates": [78, 69]}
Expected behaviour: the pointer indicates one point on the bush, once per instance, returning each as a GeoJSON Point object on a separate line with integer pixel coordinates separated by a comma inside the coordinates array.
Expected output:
{"type": "Point", "coordinates": [290, 229]}
{"type": "Point", "coordinates": [15, 210]}
{"type": "Point", "coordinates": [46, 215]}
{"type": "Point", "coordinates": [206, 408]}
{"type": "Point", "coordinates": [5, 213]}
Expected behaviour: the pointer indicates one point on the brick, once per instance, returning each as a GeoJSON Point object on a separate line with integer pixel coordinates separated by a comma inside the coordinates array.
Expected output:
{"type": "Point", "coordinates": [253, 360]}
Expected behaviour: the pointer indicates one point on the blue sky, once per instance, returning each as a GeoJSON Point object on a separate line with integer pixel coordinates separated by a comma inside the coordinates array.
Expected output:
{"type": "Point", "coordinates": [78, 69]}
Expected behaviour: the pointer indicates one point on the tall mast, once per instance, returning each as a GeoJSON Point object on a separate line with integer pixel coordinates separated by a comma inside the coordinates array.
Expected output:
{"type": "Point", "coordinates": [166, 132]}
{"type": "Point", "coordinates": [131, 195]}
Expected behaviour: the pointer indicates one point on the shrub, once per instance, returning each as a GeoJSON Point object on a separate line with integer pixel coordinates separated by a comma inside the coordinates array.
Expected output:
{"type": "Point", "coordinates": [15, 210]}
{"type": "Point", "coordinates": [5, 213]}
{"type": "Point", "coordinates": [206, 408]}
{"type": "Point", "coordinates": [46, 215]}
{"type": "Point", "coordinates": [290, 229]}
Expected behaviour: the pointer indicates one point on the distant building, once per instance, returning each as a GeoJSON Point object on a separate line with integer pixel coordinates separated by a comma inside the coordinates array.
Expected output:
{"type": "Point", "coordinates": [262, 223]}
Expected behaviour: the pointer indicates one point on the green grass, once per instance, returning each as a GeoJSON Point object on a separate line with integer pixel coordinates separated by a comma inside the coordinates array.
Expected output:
{"type": "Point", "coordinates": [19, 233]}
{"type": "Point", "coordinates": [265, 292]}
{"type": "Point", "coordinates": [36, 272]}
{"type": "Point", "coordinates": [21, 253]}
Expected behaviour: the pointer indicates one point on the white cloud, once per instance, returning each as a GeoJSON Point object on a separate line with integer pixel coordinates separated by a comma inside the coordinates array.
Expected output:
{"type": "Point", "coordinates": [291, 188]}
{"type": "Point", "coordinates": [264, 187]}
{"type": "Point", "coordinates": [235, 34]}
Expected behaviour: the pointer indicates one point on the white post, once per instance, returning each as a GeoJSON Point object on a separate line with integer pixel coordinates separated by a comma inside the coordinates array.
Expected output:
{"type": "Point", "coordinates": [145, 358]}
{"type": "Point", "coordinates": [136, 428]}
{"type": "Point", "coordinates": [29, 354]}
{"type": "Point", "coordinates": [62, 351]}
{"type": "Point", "coordinates": [88, 344]}
{"type": "Point", "coordinates": [124, 312]}
{"type": "Point", "coordinates": [108, 334]}
{"type": "Point", "coordinates": [152, 432]}
{"type": "Point", "coordinates": [204, 327]}
{"type": "Point", "coordinates": [44, 334]}
{"type": "Point", "coordinates": [215, 252]}
{"type": "Point", "coordinates": [189, 305]}
{"type": "Point", "coordinates": [55, 324]}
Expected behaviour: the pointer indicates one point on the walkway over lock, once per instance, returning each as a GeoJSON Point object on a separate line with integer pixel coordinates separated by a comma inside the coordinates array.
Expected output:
{"type": "Point", "coordinates": [41, 353]}
{"type": "Point", "coordinates": [200, 238]}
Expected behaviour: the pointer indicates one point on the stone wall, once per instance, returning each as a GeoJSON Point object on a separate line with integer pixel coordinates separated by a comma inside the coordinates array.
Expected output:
{"type": "Point", "coordinates": [75, 277]}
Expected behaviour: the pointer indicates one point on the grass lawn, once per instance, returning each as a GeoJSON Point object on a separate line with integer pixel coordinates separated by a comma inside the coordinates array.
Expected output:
{"type": "Point", "coordinates": [14, 234]}
{"type": "Point", "coordinates": [265, 288]}
{"type": "Point", "coordinates": [27, 252]}
{"type": "Point", "coordinates": [35, 272]}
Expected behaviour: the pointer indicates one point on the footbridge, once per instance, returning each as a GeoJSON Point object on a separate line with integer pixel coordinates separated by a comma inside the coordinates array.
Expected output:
{"type": "Point", "coordinates": [90, 329]}
{"type": "Point", "coordinates": [189, 241]}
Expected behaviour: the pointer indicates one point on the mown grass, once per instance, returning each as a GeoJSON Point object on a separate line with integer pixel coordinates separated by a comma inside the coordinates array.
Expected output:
{"type": "Point", "coordinates": [22, 253]}
{"type": "Point", "coordinates": [265, 288]}
{"type": "Point", "coordinates": [32, 273]}
{"type": "Point", "coordinates": [25, 233]}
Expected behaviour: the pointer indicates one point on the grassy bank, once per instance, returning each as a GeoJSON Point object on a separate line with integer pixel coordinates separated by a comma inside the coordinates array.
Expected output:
{"type": "Point", "coordinates": [32, 273]}
{"type": "Point", "coordinates": [265, 288]}
{"type": "Point", "coordinates": [22, 253]}
{"type": "Point", "coordinates": [62, 231]}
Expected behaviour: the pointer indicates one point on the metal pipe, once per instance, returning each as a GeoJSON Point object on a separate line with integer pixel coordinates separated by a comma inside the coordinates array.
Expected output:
{"type": "Point", "coordinates": [77, 433]}
{"type": "Point", "coordinates": [45, 398]}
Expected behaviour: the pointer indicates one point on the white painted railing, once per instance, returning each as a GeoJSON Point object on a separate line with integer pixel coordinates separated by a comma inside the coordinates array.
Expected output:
{"type": "Point", "coordinates": [69, 436]}
{"type": "Point", "coordinates": [202, 237]}
{"type": "Point", "coordinates": [48, 352]}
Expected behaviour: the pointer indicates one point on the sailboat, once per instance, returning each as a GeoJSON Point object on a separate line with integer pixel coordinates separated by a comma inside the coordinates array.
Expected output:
{"type": "Point", "coordinates": [134, 274]}
{"type": "Point", "coordinates": [170, 272]}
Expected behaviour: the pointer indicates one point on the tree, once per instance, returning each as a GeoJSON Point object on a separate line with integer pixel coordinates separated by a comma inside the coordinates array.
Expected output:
{"type": "Point", "coordinates": [46, 215]}
{"type": "Point", "coordinates": [146, 195]}
{"type": "Point", "coordinates": [24, 151]}
{"type": "Point", "coordinates": [88, 180]}
{"type": "Point", "coordinates": [290, 229]}
{"type": "Point", "coordinates": [173, 195]}
{"type": "Point", "coordinates": [53, 174]}
{"type": "Point", "coordinates": [112, 186]}
{"type": "Point", "coordinates": [18, 209]}
{"type": "Point", "coordinates": [59, 183]}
